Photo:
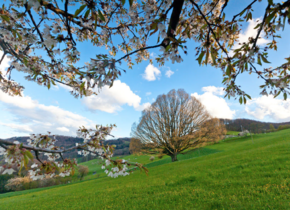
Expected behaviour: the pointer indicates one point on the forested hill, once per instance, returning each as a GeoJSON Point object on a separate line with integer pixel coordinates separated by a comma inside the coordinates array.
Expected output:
{"type": "Point", "coordinates": [251, 125]}
{"type": "Point", "coordinates": [122, 144]}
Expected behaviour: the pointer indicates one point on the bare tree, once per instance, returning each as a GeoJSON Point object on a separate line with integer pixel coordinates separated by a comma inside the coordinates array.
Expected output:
{"type": "Point", "coordinates": [173, 123]}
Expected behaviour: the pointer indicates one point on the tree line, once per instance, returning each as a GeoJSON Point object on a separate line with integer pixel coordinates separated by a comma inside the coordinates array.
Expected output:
{"type": "Point", "coordinates": [252, 125]}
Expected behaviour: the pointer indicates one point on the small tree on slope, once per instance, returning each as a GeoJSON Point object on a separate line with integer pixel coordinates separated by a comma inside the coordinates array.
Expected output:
{"type": "Point", "coordinates": [174, 123]}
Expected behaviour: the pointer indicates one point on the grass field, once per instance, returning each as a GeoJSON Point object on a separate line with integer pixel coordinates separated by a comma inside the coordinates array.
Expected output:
{"type": "Point", "coordinates": [238, 173]}
{"type": "Point", "coordinates": [233, 132]}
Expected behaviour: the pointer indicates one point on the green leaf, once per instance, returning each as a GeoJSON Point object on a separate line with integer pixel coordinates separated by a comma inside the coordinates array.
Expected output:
{"type": "Point", "coordinates": [96, 21]}
{"type": "Point", "coordinates": [270, 2]}
{"type": "Point", "coordinates": [87, 13]}
{"type": "Point", "coordinates": [277, 94]}
{"type": "Point", "coordinates": [249, 17]}
{"type": "Point", "coordinates": [25, 61]}
{"type": "Point", "coordinates": [245, 100]}
{"type": "Point", "coordinates": [241, 100]}
{"type": "Point", "coordinates": [52, 82]}
{"type": "Point", "coordinates": [285, 96]}
{"type": "Point", "coordinates": [270, 17]}
{"type": "Point", "coordinates": [21, 166]}
{"type": "Point", "coordinates": [229, 70]}
{"type": "Point", "coordinates": [257, 26]}
{"type": "Point", "coordinates": [242, 12]}
{"type": "Point", "coordinates": [25, 161]}
{"type": "Point", "coordinates": [259, 60]}
{"type": "Point", "coordinates": [79, 10]}
{"type": "Point", "coordinates": [224, 16]}
{"type": "Point", "coordinates": [123, 2]}
{"type": "Point", "coordinates": [153, 32]}
{"type": "Point", "coordinates": [14, 33]}
{"type": "Point", "coordinates": [249, 97]}
{"type": "Point", "coordinates": [130, 2]}
{"type": "Point", "coordinates": [82, 86]}
{"type": "Point", "coordinates": [48, 84]}
{"type": "Point", "coordinates": [28, 154]}
{"type": "Point", "coordinates": [204, 26]}
{"type": "Point", "coordinates": [264, 59]}
{"type": "Point", "coordinates": [206, 57]}
{"type": "Point", "coordinates": [200, 57]}
{"type": "Point", "coordinates": [19, 36]}
{"type": "Point", "coordinates": [213, 54]}
{"type": "Point", "coordinates": [101, 15]}
{"type": "Point", "coordinates": [6, 18]}
{"type": "Point", "coordinates": [167, 48]}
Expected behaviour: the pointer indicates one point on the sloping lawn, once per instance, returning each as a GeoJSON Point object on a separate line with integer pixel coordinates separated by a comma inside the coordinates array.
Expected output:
{"type": "Point", "coordinates": [237, 174]}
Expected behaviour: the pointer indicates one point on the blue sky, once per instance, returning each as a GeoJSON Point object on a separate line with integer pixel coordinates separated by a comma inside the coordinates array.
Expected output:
{"type": "Point", "coordinates": [41, 110]}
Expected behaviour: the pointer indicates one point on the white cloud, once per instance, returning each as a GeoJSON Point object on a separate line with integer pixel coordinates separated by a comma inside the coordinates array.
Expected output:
{"type": "Point", "coordinates": [17, 127]}
{"type": "Point", "coordinates": [4, 64]}
{"type": "Point", "coordinates": [148, 93]}
{"type": "Point", "coordinates": [112, 99]}
{"type": "Point", "coordinates": [64, 129]}
{"type": "Point", "coordinates": [24, 102]}
{"type": "Point", "coordinates": [275, 109]}
{"type": "Point", "coordinates": [143, 106]}
{"type": "Point", "coordinates": [169, 73]}
{"type": "Point", "coordinates": [151, 73]}
{"type": "Point", "coordinates": [215, 105]}
{"type": "Point", "coordinates": [250, 32]}
{"type": "Point", "coordinates": [29, 116]}
{"type": "Point", "coordinates": [214, 90]}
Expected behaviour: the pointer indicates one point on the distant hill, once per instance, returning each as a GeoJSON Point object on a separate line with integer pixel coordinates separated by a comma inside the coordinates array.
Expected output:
{"type": "Point", "coordinates": [122, 145]}
{"type": "Point", "coordinates": [251, 125]}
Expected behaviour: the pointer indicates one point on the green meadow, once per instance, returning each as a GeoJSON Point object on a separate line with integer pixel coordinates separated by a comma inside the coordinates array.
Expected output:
{"type": "Point", "coordinates": [237, 173]}
{"type": "Point", "coordinates": [233, 132]}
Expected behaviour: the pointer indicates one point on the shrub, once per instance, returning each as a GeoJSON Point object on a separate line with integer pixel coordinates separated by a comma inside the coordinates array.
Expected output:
{"type": "Point", "coordinates": [282, 127]}
{"type": "Point", "coordinates": [160, 156]}
{"type": "Point", "coordinates": [46, 182]}
{"type": "Point", "coordinates": [18, 183]}
{"type": "Point", "coordinates": [3, 181]}
{"type": "Point", "coordinates": [83, 170]}
{"type": "Point", "coordinates": [25, 183]}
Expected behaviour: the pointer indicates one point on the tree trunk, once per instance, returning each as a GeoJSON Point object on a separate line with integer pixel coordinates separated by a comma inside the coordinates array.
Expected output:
{"type": "Point", "coordinates": [174, 157]}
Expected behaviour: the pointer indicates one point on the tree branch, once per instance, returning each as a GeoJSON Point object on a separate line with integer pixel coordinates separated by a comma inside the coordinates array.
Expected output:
{"type": "Point", "coordinates": [249, 6]}
{"type": "Point", "coordinates": [261, 27]}
{"type": "Point", "coordinates": [68, 25]}
{"type": "Point", "coordinates": [141, 49]}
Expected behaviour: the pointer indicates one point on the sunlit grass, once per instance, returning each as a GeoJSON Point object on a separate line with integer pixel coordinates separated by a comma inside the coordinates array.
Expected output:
{"type": "Point", "coordinates": [233, 132]}
{"type": "Point", "coordinates": [241, 173]}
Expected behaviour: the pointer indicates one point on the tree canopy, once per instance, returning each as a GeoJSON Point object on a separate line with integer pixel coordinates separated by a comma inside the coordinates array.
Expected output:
{"type": "Point", "coordinates": [124, 29]}
{"type": "Point", "coordinates": [175, 122]}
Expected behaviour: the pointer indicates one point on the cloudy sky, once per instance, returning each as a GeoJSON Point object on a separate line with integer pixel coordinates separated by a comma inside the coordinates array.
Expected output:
{"type": "Point", "coordinates": [40, 110]}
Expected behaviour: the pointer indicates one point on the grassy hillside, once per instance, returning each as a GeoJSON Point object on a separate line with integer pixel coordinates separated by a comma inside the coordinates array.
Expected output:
{"type": "Point", "coordinates": [238, 173]}
{"type": "Point", "coordinates": [233, 132]}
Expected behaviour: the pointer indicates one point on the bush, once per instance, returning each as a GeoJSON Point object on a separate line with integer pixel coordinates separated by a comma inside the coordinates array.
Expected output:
{"type": "Point", "coordinates": [3, 181]}
{"type": "Point", "coordinates": [83, 170]}
{"type": "Point", "coordinates": [18, 183]}
{"type": "Point", "coordinates": [282, 127]}
{"type": "Point", "coordinates": [160, 156]}
{"type": "Point", "coordinates": [25, 183]}
{"type": "Point", "coordinates": [46, 182]}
